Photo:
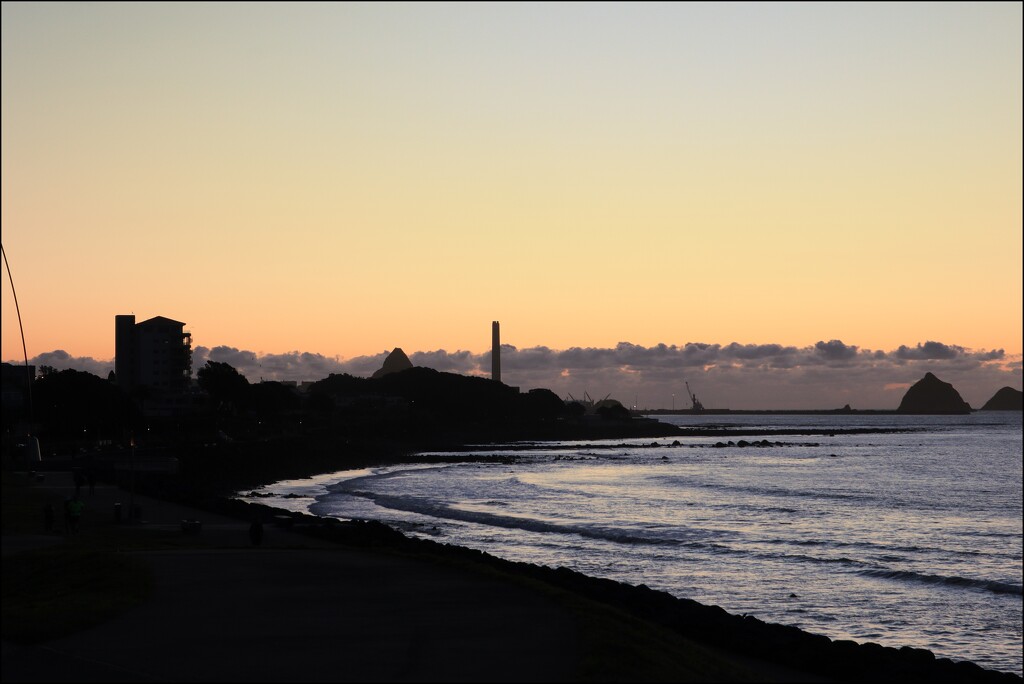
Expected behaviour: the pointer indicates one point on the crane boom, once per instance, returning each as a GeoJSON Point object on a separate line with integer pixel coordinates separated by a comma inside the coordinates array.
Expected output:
{"type": "Point", "coordinates": [697, 407]}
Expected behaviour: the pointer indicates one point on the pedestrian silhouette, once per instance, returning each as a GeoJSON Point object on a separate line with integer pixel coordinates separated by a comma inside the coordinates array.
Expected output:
{"type": "Point", "coordinates": [75, 507]}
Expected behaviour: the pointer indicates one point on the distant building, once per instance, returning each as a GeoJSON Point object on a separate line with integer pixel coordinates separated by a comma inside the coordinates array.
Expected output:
{"type": "Point", "coordinates": [16, 383]}
{"type": "Point", "coordinates": [155, 354]}
{"type": "Point", "coordinates": [496, 351]}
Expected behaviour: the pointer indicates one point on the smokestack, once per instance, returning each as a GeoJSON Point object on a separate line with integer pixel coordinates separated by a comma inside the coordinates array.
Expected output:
{"type": "Point", "coordinates": [495, 351]}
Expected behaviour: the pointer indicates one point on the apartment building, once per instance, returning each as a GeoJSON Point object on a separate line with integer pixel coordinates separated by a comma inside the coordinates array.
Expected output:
{"type": "Point", "coordinates": [155, 354]}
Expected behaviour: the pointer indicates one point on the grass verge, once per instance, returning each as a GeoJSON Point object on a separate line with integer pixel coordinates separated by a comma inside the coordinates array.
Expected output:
{"type": "Point", "coordinates": [54, 592]}
{"type": "Point", "coordinates": [64, 588]}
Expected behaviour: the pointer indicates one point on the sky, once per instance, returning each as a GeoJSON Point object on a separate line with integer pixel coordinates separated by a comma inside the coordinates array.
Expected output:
{"type": "Point", "coordinates": [825, 196]}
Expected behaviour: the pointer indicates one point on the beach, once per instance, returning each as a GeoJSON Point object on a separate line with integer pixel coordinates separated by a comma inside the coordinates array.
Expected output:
{"type": "Point", "coordinates": [317, 602]}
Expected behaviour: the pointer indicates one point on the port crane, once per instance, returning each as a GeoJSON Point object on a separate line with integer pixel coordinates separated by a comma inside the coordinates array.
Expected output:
{"type": "Point", "coordinates": [587, 401]}
{"type": "Point", "coordinates": [697, 406]}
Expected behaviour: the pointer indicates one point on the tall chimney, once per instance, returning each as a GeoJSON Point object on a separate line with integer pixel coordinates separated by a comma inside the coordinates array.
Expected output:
{"type": "Point", "coordinates": [495, 351]}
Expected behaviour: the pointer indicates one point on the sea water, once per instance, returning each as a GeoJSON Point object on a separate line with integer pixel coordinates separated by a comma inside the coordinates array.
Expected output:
{"type": "Point", "coordinates": [907, 538]}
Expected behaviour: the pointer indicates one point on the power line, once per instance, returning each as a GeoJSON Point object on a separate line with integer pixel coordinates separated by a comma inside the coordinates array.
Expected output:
{"type": "Point", "coordinates": [21, 328]}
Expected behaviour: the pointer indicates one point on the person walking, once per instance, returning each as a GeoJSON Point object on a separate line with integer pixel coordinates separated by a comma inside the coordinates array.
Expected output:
{"type": "Point", "coordinates": [75, 510]}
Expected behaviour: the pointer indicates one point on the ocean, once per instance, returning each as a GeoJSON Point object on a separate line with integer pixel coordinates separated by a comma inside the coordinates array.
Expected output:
{"type": "Point", "coordinates": [908, 538]}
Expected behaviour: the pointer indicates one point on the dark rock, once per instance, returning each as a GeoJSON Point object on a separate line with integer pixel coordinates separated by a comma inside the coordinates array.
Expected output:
{"type": "Point", "coordinates": [917, 655]}
{"type": "Point", "coordinates": [395, 362]}
{"type": "Point", "coordinates": [930, 395]}
{"type": "Point", "coordinates": [1006, 399]}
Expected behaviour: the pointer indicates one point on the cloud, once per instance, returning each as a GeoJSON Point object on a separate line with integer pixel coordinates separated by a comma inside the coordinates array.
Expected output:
{"type": "Point", "coordinates": [827, 374]}
{"type": "Point", "coordinates": [455, 362]}
{"type": "Point", "coordinates": [61, 360]}
{"type": "Point", "coordinates": [929, 350]}
{"type": "Point", "coordinates": [835, 350]}
{"type": "Point", "coordinates": [288, 366]}
{"type": "Point", "coordinates": [739, 376]}
{"type": "Point", "coordinates": [752, 352]}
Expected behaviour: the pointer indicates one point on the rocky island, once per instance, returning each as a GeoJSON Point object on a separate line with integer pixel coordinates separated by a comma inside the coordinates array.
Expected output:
{"type": "Point", "coordinates": [929, 395]}
{"type": "Point", "coordinates": [1006, 399]}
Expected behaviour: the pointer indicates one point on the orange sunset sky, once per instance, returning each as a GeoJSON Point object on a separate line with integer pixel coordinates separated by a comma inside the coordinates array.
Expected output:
{"type": "Point", "coordinates": [341, 179]}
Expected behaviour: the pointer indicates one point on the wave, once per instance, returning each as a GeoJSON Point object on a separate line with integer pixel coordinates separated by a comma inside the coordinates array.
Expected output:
{"type": "Point", "coordinates": [880, 547]}
{"type": "Point", "coordinates": [698, 540]}
{"type": "Point", "coordinates": [794, 493]}
{"type": "Point", "coordinates": [910, 576]}
{"type": "Point", "coordinates": [386, 473]}
{"type": "Point", "coordinates": [443, 511]}
{"type": "Point", "coordinates": [451, 472]}
{"type": "Point", "coordinates": [803, 558]}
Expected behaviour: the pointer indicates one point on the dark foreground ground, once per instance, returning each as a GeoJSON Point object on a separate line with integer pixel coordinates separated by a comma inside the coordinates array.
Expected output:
{"type": "Point", "coordinates": [332, 601]}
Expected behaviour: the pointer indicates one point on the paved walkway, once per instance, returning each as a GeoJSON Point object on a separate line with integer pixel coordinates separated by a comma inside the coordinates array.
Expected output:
{"type": "Point", "coordinates": [298, 609]}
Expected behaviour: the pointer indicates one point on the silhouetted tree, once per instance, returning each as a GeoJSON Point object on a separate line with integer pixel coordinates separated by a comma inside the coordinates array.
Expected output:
{"type": "Point", "coordinates": [435, 395]}
{"type": "Point", "coordinates": [575, 409]}
{"type": "Point", "coordinates": [541, 404]}
{"type": "Point", "coordinates": [319, 401]}
{"type": "Point", "coordinates": [612, 410]}
{"type": "Point", "coordinates": [341, 385]}
{"type": "Point", "coordinates": [75, 405]}
{"type": "Point", "coordinates": [225, 385]}
{"type": "Point", "coordinates": [272, 399]}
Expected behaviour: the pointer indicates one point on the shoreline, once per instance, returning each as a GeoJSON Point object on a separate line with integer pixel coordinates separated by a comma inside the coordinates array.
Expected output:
{"type": "Point", "coordinates": [788, 647]}
{"type": "Point", "coordinates": [225, 467]}
{"type": "Point", "coordinates": [748, 636]}
{"type": "Point", "coordinates": [819, 647]}
{"type": "Point", "coordinates": [772, 652]}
